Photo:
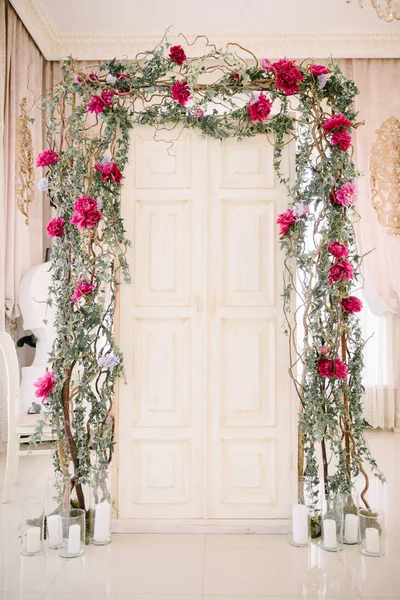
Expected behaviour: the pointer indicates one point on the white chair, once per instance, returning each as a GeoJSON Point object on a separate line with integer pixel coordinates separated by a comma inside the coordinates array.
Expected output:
{"type": "Point", "coordinates": [19, 423]}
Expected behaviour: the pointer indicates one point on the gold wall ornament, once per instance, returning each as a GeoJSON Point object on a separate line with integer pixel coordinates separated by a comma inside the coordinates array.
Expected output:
{"type": "Point", "coordinates": [24, 189]}
{"type": "Point", "coordinates": [385, 175]}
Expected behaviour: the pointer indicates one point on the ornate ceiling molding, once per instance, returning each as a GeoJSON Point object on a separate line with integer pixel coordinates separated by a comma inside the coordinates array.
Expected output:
{"type": "Point", "coordinates": [54, 46]}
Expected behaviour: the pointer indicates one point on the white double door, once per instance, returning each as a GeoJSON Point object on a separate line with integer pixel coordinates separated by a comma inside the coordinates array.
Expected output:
{"type": "Point", "coordinates": [204, 427]}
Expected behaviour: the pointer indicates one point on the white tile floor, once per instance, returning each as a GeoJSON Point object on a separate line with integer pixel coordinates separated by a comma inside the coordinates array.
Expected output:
{"type": "Point", "coordinates": [196, 567]}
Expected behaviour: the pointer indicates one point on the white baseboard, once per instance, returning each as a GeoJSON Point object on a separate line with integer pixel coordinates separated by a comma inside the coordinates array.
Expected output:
{"type": "Point", "coordinates": [236, 526]}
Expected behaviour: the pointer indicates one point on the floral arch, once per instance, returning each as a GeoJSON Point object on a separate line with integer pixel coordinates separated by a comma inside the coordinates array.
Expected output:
{"type": "Point", "coordinates": [89, 116]}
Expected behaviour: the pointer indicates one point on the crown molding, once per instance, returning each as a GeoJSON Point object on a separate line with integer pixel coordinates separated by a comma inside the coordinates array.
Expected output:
{"type": "Point", "coordinates": [54, 46]}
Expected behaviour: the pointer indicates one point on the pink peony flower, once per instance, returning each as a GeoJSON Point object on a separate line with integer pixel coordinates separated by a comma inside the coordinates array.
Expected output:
{"type": "Point", "coordinates": [98, 104]}
{"type": "Point", "coordinates": [260, 109]}
{"type": "Point", "coordinates": [335, 123]}
{"type": "Point", "coordinates": [341, 139]}
{"type": "Point", "coordinates": [46, 158]}
{"type": "Point", "coordinates": [86, 213]}
{"type": "Point", "coordinates": [345, 195]}
{"type": "Point", "coordinates": [177, 54]}
{"type": "Point", "coordinates": [181, 92]}
{"type": "Point", "coordinates": [55, 227]}
{"type": "Point", "coordinates": [338, 250]}
{"type": "Point", "coordinates": [341, 270]}
{"type": "Point", "coordinates": [198, 112]}
{"type": "Point", "coordinates": [109, 171]}
{"type": "Point", "coordinates": [325, 367]}
{"type": "Point", "coordinates": [319, 70]}
{"type": "Point", "coordinates": [285, 221]}
{"type": "Point", "coordinates": [340, 369]}
{"type": "Point", "coordinates": [266, 64]}
{"type": "Point", "coordinates": [45, 385]}
{"type": "Point", "coordinates": [351, 305]}
{"type": "Point", "coordinates": [288, 76]}
{"type": "Point", "coordinates": [83, 288]}
{"type": "Point", "coordinates": [324, 349]}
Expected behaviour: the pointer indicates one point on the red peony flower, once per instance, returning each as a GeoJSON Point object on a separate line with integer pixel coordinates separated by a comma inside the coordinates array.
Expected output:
{"type": "Point", "coordinates": [351, 305]}
{"type": "Point", "coordinates": [45, 385]}
{"type": "Point", "coordinates": [288, 76]}
{"type": "Point", "coordinates": [341, 270]}
{"type": "Point", "coordinates": [332, 368]}
{"type": "Point", "coordinates": [345, 195]}
{"type": "Point", "coordinates": [109, 171]}
{"type": "Point", "coordinates": [122, 76]}
{"type": "Point", "coordinates": [55, 227]}
{"type": "Point", "coordinates": [340, 369]}
{"type": "Point", "coordinates": [97, 104]}
{"type": "Point", "coordinates": [341, 139]}
{"type": "Point", "coordinates": [325, 367]}
{"type": "Point", "coordinates": [235, 76]}
{"type": "Point", "coordinates": [46, 158]}
{"type": "Point", "coordinates": [338, 250]}
{"type": "Point", "coordinates": [177, 54]}
{"type": "Point", "coordinates": [92, 78]}
{"type": "Point", "coordinates": [319, 70]}
{"type": "Point", "coordinates": [83, 288]}
{"type": "Point", "coordinates": [285, 221]}
{"type": "Point", "coordinates": [335, 123]}
{"type": "Point", "coordinates": [260, 109]}
{"type": "Point", "coordinates": [181, 92]}
{"type": "Point", "coordinates": [86, 213]}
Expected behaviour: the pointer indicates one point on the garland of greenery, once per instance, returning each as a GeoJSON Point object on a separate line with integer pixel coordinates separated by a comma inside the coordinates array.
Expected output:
{"type": "Point", "coordinates": [89, 117]}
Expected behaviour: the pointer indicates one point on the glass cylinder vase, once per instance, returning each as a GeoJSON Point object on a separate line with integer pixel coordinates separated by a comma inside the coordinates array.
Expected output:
{"type": "Point", "coordinates": [101, 506]}
{"type": "Point", "coordinates": [57, 500]}
{"type": "Point", "coordinates": [300, 534]}
{"type": "Point", "coordinates": [332, 522]}
{"type": "Point", "coordinates": [32, 526]}
{"type": "Point", "coordinates": [73, 525]}
{"type": "Point", "coordinates": [372, 532]}
{"type": "Point", "coordinates": [350, 518]}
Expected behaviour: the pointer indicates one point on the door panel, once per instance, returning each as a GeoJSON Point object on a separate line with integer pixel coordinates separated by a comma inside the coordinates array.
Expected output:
{"type": "Point", "coordinates": [162, 330]}
{"type": "Point", "coordinates": [248, 416]}
{"type": "Point", "coordinates": [204, 416]}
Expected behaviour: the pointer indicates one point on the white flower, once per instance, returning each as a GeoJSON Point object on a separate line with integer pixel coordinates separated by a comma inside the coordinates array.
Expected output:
{"type": "Point", "coordinates": [108, 361]}
{"type": "Point", "coordinates": [299, 210]}
{"type": "Point", "coordinates": [110, 79]}
{"type": "Point", "coordinates": [106, 160]}
{"type": "Point", "coordinates": [100, 203]}
{"type": "Point", "coordinates": [43, 184]}
{"type": "Point", "coordinates": [321, 81]}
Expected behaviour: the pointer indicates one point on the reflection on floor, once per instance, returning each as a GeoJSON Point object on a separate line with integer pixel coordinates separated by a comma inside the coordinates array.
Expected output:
{"type": "Point", "coordinates": [194, 567]}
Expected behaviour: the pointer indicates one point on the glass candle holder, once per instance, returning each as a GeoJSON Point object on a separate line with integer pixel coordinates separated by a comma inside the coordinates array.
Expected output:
{"type": "Point", "coordinates": [350, 519]}
{"type": "Point", "coordinates": [73, 524]}
{"type": "Point", "coordinates": [300, 534]}
{"type": "Point", "coordinates": [100, 509]}
{"type": "Point", "coordinates": [32, 526]}
{"type": "Point", "coordinates": [332, 522]}
{"type": "Point", "coordinates": [57, 500]}
{"type": "Point", "coordinates": [372, 532]}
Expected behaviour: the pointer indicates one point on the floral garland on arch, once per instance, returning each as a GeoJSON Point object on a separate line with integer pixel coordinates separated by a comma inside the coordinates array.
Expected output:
{"type": "Point", "coordinates": [89, 117]}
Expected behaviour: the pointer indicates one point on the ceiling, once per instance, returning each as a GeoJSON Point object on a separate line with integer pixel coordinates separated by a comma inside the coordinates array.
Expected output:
{"type": "Point", "coordinates": [99, 29]}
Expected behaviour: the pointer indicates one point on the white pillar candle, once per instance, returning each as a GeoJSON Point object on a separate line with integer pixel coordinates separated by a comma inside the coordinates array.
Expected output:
{"type": "Point", "coordinates": [54, 530]}
{"type": "Point", "coordinates": [102, 522]}
{"type": "Point", "coordinates": [74, 539]}
{"type": "Point", "coordinates": [33, 540]}
{"type": "Point", "coordinates": [300, 524]}
{"type": "Point", "coordinates": [372, 540]}
{"type": "Point", "coordinates": [329, 532]}
{"type": "Point", "coordinates": [351, 528]}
